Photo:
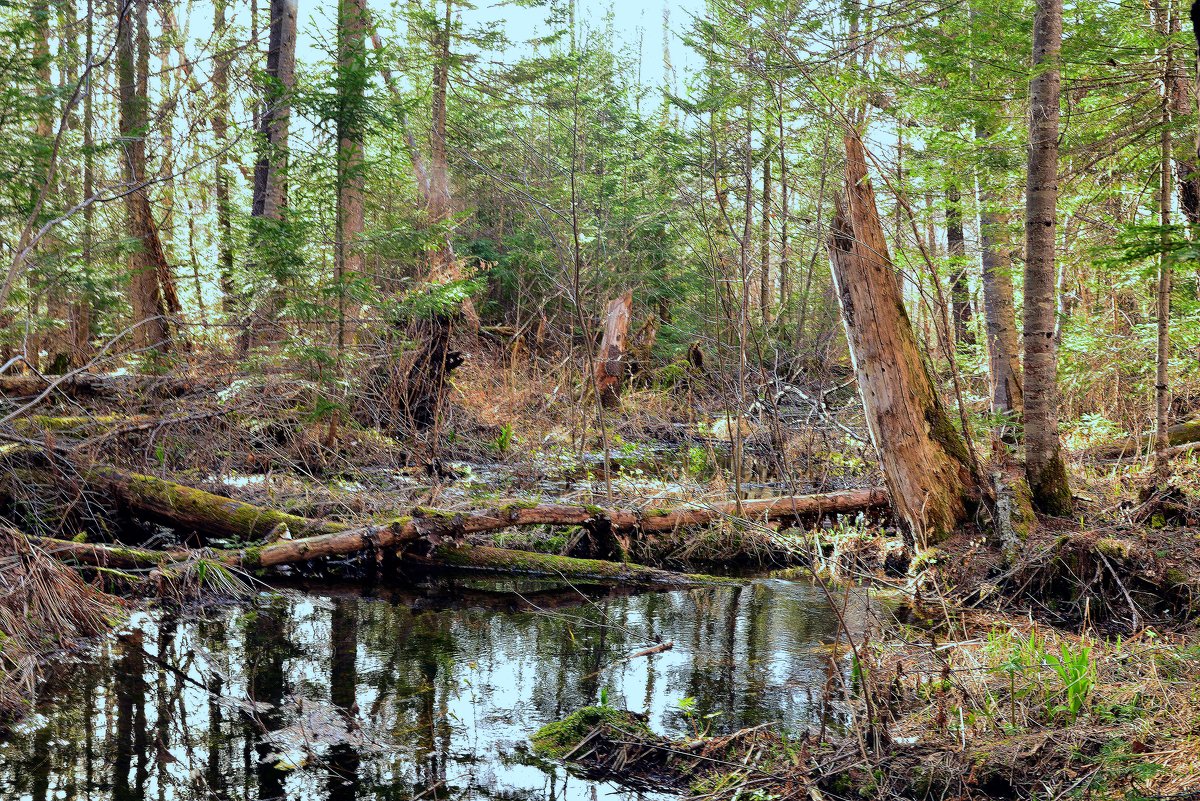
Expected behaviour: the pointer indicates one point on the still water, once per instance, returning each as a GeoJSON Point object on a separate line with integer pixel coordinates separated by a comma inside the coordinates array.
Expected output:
{"type": "Point", "coordinates": [330, 693]}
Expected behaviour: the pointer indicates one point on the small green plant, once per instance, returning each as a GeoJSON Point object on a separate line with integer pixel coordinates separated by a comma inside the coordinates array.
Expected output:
{"type": "Point", "coordinates": [701, 724]}
{"type": "Point", "coordinates": [504, 439]}
{"type": "Point", "coordinates": [1075, 670]}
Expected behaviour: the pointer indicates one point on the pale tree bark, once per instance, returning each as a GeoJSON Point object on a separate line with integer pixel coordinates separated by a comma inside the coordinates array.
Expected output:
{"type": "Point", "coordinates": [1044, 465]}
{"type": "Point", "coordinates": [81, 306]}
{"type": "Point", "coordinates": [785, 245]}
{"type": "Point", "coordinates": [50, 340]}
{"type": "Point", "coordinates": [1000, 318]}
{"type": "Point", "coordinates": [924, 459]}
{"type": "Point", "coordinates": [352, 79]}
{"type": "Point", "coordinates": [1004, 355]}
{"type": "Point", "coordinates": [145, 288]}
{"type": "Point", "coordinates": [220, 126]}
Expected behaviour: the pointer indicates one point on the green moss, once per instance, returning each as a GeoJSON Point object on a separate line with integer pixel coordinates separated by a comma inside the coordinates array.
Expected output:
{"type": "Point", "coordinates": [557, 740]}
{"type": "Point", "coordinates": [1114, 548]}
{"type": "Point", "coordinates": [925, 559]}
{"type": "Point", "coordinates": [943, 432]}
{"type": "Point", "coordinates": [513, 506]}
{"type": "Point", "coordinates": [1051, 490]}
{"type": "Point", "coordinates": [1175, 577]}
{"type": "Point", "coordinates": [595, 511]}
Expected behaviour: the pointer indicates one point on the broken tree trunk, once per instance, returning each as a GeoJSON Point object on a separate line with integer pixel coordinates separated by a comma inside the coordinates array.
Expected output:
{"type": "Point", "coordinates": [610, 365]}
{"type": "Point", "coordinates": [1179, 434]}
{"type": "Point", "coordinates": [923, 456]}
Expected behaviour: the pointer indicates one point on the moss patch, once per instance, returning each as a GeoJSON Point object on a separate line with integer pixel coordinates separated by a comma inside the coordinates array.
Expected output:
{"type": "Point", "coordinates": [558, 739]}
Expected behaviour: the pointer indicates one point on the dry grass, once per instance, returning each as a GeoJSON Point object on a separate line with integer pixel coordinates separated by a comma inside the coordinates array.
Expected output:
{"type": "Point", "coordinates": [44, 607]}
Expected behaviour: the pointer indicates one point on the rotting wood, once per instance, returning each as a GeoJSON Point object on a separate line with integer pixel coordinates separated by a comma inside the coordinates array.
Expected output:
{"type": "Point", "coordinates": [924, 458]}
{"type": "Point", "coordinates": [610, 364]}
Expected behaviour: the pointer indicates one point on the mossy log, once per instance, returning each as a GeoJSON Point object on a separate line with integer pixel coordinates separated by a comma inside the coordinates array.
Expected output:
{"type": "Point", "coordinates": [39, 423]}
{"type": "Point", "coordinates": [92, 385]}
{"type": "Point", "coordinates": [1184, 433]}
{"type": "Point", "coordinates": [284, 552]}
{"type": "Point", "coordinates": [402, 535]}
{"type": "Point", "coordinates": [185, 507]}
{"type": "Point", "coordinates": [503, 560]}
{"type": "Point", "coordinates": [192, 509]}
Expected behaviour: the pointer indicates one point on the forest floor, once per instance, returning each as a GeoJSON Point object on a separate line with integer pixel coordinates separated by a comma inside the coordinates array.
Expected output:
{"type": "Point", "coordinates": [1066, 666]}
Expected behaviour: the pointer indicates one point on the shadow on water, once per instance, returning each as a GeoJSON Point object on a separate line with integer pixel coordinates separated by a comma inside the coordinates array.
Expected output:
{"type": "Point", "coordinates": [331, 693]}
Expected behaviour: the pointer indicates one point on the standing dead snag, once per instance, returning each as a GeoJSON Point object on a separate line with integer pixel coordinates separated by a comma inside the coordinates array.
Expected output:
{"type": "Point", "coordinates": [611, 363]}
{"type": "Point", "coordinates": [923, 457]}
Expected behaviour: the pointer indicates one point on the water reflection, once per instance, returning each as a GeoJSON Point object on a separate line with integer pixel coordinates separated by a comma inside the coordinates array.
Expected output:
{"type": "Point", "coordinates": [335, 695]}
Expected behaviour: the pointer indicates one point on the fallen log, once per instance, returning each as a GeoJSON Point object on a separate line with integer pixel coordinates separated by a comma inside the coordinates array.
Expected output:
{"type": "Point", "coordinates": [192, 509]}
{"type": "Point", "coordinates": [403, 535]}
{"type": "Point", "coordinates": [95, 385]}
{"type": "Point", "coordinates": [1183, 433]}
{"type": "Point", "coordinates": [180, 506]}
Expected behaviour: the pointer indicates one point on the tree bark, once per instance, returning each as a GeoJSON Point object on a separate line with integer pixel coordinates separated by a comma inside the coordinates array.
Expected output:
{"type": "Point", "coordinates": [1000, 318]}
{"type": "Point", "coordinates": [220, 127]}
{"type": "Point", "coordinates": [1184, 433]}
{"type": "Point", "coordinates": [764, 278]}
{"type": "Point", "coordinates": [1044, 465]}
{"type": "Point", "coordinates": [270, 171]}
{"type": "Point", "coordinates": [1162, 394]}
{"type": "Point", "coordinates": [147, 265]}
{"type": "Point", "coordinates": [956, 250]}
{"type": "Point", "coordinates": [270, 198]}
{"type": "Point", "coordinates": [352, 83]}
{"type": "Point", "coordinates": [923, 457]}
{"type": "Point", "coordinates": [610, 362]}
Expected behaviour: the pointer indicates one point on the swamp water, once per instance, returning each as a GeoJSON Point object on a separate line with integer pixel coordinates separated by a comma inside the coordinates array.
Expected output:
{"type": "Point", "coordinates": [431, 692]}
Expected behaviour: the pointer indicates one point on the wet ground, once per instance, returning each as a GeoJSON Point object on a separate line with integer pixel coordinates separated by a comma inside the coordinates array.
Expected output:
{"type": "Point", "coordinates": [330, 693]}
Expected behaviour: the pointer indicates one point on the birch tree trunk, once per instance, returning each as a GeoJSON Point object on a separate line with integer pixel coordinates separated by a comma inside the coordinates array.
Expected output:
{"type": "Point", "coordinates": [923, 457]}
{"type": "Point", "coordinates": [1044, 465]}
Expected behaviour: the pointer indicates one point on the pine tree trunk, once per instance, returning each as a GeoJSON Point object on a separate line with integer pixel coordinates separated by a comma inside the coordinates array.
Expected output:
{"type": "Point", "coordinates": [352, 80]}
{"type": "Point", "coordinates": [270, 171]}
{"type": "Point", "coordinates": [269, 201]}
{"type": "Point", "coordinates": [1044, 465]}
{"type": "Point", "coordinates": [923, 457]}
{"type": "Point", "coordinates": [764, 285]}
{"type": "Point", "coordinates": [1162, 393]}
